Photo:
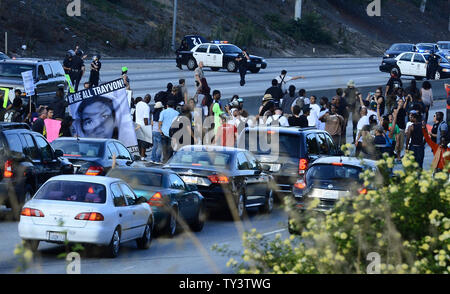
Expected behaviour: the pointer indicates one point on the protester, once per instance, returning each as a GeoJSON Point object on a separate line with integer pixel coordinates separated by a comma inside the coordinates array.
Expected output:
{"type": "Point", "coordinates": [198, 73]}
{"type": "Point", "coordinates": [242, 60]}
{"type": "Point", "coordinates": [143, 120]}
{"type": "Point", "coordinates": [301, 100]}
{"type": "Point", "coordinates": [442, 129]}
{"type": "Point", "coordinates": [412, 90]}
{"type": "Point", "coordinates": [313, 117]}
{"type": "Point", "coordinates": [181, 131]}
{"type": "Point", "coordinates": [50, 113]}
{"type": "Point", "coordinates": [275, 92]}
{"type": "Point", "coordinates": [333, 124]}
{"type": "Point", "coordinates": [441, 151]}
{"type": "Point", "coordinates": [15, 113]}
{"type": "Point", "coordinates": [66, 127]}
{"type": "Point", "coordinates": [323, 109]}
{"type": "Point", "coordinates": [297, 120]}
{"type": "Point", "coordinates": [351, 94]}
{"type": "Point", "coordinates": [426, 93]}
{"type": "Point", "coordinates": [216, 110]}
{"type": "Point", "coordinates": [226, 133]}
{"type": "Point", "coordinates": [362, 122]}
{"type": "Point", "coordinates": [393, 83]}
{"type": "Point", "coordinates": [283, 79]}
{"type": "Point", "coordinates": [125, 78]}
{"type": "Point", "coordinates": [266, 109]}
{"type": "Point", "coordinates": [94, 77]}
{"type": "Point", "coordinates": [277, 119]}
{"type": "Point", "coordinates": [288, 99]}
{"type": "Point", "coordinates": [166, 118]}
{"type": "Point", "coordinates": [415, 139]}
{"type": "Point", "coordinates": [157, 147]}
{"type": "Point", "coordinates": [401, 123]}
{"type": "Point", "coordinates": [59, 105]}
{"type": "Point", "coordinates": [183, 90]}
{"type": "Point", "coordinates": [38, 125]}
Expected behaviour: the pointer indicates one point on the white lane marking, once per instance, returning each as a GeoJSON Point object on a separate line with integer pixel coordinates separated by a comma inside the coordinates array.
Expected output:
{"type": "Point", "coordinates": [274, 232]}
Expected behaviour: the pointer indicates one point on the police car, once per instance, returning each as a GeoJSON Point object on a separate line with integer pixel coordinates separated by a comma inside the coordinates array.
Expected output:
{"type": "Point", "coordinates": [217, 55]}
{"type": "Point", "coordinates": [414, 64]}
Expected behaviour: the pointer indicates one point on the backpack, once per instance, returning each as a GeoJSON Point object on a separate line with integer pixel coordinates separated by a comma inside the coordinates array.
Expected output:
{"type": "Point", "coordinates": [447, 133]}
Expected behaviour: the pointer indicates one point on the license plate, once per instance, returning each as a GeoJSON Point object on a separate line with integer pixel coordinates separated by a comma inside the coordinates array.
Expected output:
{"type": "Point", "coordinates": [330, 194]}
{"type": "Point", "coordinates": [258, 65]}
{"type": "Point", "coordinates": [190, 180]}
{"type": "Point", "coordinates": [57, 236]}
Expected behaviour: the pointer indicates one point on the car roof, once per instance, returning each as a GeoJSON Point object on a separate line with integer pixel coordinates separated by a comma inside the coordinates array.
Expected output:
{"type": "Point", "coordinates": [213, 148]}
{"type": "Point", "coordinates": [22, 61]}
{"type": "Point", "coordinates": [443, 42]}
{"type": "Point", "coordinates": [353, 161]}
{"type": "Point", "coordinates": [87, 179]}
{"type": "Point", "coordinates": [425, 44]}
{"type": "Point", "coordinates": [145, 169]}
{"type": "Point", "coordinates": [13, 126]}
{"type": "Point", "coordinates": [287, 130]}
{"type": "Point", "coordinates": [99, 140]}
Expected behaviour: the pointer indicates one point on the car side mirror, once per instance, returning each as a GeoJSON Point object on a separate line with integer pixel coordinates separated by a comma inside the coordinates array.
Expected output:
{"type": "Point", "coordinates": [141, 200]}
{"type": "Point", "coordinates": [59, 153]}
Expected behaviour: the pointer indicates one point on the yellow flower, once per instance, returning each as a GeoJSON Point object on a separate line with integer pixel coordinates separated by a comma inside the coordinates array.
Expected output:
{"type": "Point", "coordinates": [425, 247]}
{"type": "Point", "coordinates": [343, 236]}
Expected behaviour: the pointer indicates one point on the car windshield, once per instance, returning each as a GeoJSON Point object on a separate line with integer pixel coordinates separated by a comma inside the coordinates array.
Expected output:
{"type": "Point", "coordinates": [72, 191]}
{"type": "Point", "coordinates": [73, 148]}
{"type": "Point", "coordinates": [260, 143]}
{"type": "Point", "coordinates": [424, 47]}
{"type": "Point", "coordinates": [445, 46]}
{"type": "Point", "coordinates": [328, 172]}
{"type": "Point", "coordinates": [401, 47]}
{"type": "Point", "coordinates": [137, 178]}
{"type": "Point", "coordinates": [230, 49]}
{"type": "Point", "coordinates": [14, 70]}
{"type": "Point", "coordinates": [201, 158]}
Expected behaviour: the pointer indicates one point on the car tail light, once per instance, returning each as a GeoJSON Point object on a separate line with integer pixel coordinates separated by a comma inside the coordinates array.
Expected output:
{"type": "Point", "coordinates": [302, 166]}
{"type": "Point", "coordinates": [90, 216]}
{"type": "Point", "coordinates": [300, 184]}
{"type": "Point", "coordinates": [31, 212]}
{"type": "Point", "coordinates": [218, 179]}
{"type": "Point", "coordinates": [8, 172]}
{"type": "Point", "coordinates": [362, 191]}
{"type": "Point", "coordinates": [94, 170]}
{"type": "Point", "coordinates": [337, 164]}
{"type": "Point", "coordinates": [156, 200]}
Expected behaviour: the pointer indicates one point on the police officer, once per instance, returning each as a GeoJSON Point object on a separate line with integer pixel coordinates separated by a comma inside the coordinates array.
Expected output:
{"type": "Point", "coordinates": [433, 63]}
{"type": "Point", "coordinates": [183, 47]}
{"type": "Point", "coordinates": [242, 60]}
{"type": "Point", "coordinates": [77, 71]}
{"type": "Point", "coordinates": [96, 65]}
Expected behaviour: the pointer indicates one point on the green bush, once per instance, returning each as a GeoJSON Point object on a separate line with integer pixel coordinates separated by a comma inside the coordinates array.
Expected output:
{"type": "Point", "coordinates": [405, 219]}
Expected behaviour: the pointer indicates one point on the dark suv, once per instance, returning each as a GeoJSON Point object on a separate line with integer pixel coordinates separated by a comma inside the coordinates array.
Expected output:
{"type": "Point", "coordinates": [48, 77]}
{"type": "Point", "coordinates": [26, 161]}
{"type": "Point", "coordinates": [288, 160]}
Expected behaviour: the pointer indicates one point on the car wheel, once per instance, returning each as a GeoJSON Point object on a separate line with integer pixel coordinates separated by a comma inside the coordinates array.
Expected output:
{"type": "Point", "coordinates": [197, 226]}
{"type": "Point", "coordinates": [268, 206]}
{"type": "Point", "coordinates": [191, 64]}
{"type": "Point", "coordinates": [437, 76]}
{"type": "Point", "coordinates": [31, 245]}
{"type": "Point", "coordinates": [146, 240]}
{"type": "Point", "coordinates": [215, 68]}
{"type": "Point", "coordinates": [114, 245]}
{"type": "Point", "coordinates": [255, 70]}
{"type": "Point", "coordinates": [231, 66]}
{"type": "Point", "coordinates": [172, 222]}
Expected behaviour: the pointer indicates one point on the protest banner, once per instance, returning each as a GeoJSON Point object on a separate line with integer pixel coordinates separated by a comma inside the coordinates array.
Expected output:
{"type": "Point", "coordinates": [53, 127]}
{"type": "Point", "coordinates": [103, 112]}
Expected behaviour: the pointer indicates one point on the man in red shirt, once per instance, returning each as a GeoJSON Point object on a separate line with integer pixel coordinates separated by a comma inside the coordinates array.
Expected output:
{"type": "Point", "coordinates": [439, 150]}
{"type": "Point", "coordinates": [226, 133]}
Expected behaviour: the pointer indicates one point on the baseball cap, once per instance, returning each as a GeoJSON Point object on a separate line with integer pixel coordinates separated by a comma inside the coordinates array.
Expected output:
{"type": "Point", "coordinates": [159, 105]}
{"type": "Point", "coordinates": [124, 68]}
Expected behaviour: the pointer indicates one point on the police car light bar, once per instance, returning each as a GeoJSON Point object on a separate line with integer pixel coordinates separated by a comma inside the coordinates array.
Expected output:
{"type": "Point", "coordinates": [219, 42]}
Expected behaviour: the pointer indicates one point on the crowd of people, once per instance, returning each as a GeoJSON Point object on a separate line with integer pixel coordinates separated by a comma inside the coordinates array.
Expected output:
{"type": "Point", "coordinates": [392, 121]}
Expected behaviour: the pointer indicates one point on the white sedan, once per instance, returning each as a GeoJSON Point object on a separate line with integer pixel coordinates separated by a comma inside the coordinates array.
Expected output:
{"type": "Point", "coordinates": [88, 210]}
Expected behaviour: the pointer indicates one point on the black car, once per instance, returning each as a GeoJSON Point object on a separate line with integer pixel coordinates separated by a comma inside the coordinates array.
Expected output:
{"type": "Point", "coordinates": [3, 56]}
{"type": "Point", "coordinates": [228, 178]}
{"type": "Point", "coordinates": [94, 157]}
{"type": "Point", "coordinates": [330, 179]}
{"type": "Point", "coordinates": [26, 162]}
{"type": "Point", "coordinates": [171, 199]}
{"type": "Point", "coordinates": [48, 77]}
{"type": "Point", "coordinates": [217, 55]}
{"type": "Point", "coordinates": [444, 48]}
{"type": "Point", "coordinates": [427, 48]}
{"type": "Point", "coordinates": [288, 151]}
{"type": "Point", "coordinates": [398, 48]}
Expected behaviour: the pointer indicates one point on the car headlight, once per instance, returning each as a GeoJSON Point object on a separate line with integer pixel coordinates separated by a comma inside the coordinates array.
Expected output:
{"type": "Point", "coordinates": [386, 55]}
{"type": "Point", "coordinates": [263, 60]}
{"type": "Point", "coordinates": [384, 63]}
{"type": "Point", "coordinates": [446, 69]}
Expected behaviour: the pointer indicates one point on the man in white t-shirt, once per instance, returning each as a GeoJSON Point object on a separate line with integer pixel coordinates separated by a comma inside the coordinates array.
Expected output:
{"type": "Point", "coordinates": [283, 79]}
{"type": "Point", "coordinates": [144, 133]}
{"type": "Point", "coordinates": [313, 118]}
{"type": "Point", "coordinates": [277, 117]}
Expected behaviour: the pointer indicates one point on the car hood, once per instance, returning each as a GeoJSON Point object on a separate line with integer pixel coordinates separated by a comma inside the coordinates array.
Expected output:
{"type": "Point", "coordinates": [11, 82]}
{"type": "Point", "coordinates": [251, 56]}
{"type": "Point", "coordinates": [396, 52]}
{"type": "Point", "coordinates": [390, 60]}
{"type": "Point", "coordinates": [445, 65]}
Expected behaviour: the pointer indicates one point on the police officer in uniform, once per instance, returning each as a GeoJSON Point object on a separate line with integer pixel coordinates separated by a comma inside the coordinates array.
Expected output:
{"type": "Point", "coordinates": [183, 47]}
{"type": "Point", "coordinates": [77, 69]}
{"type": "Point", "coordinates": [433, 63]}
{"type": "Point", "coordinates": [96, 65]}
{"type": "Point", "coordinates": [242, 60]}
